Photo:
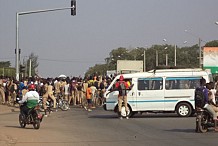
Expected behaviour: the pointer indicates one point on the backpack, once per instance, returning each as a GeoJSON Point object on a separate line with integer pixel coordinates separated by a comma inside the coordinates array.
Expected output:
{"type": "Point", "coordinates": [199, 98]}
{"type": "Point", "coordinates": [12, 88]}
{"type": "Point", "coordinates": [122, 89]}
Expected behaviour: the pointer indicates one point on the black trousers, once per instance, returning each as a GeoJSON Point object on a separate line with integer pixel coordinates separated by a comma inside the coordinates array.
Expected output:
{"type": "Point", "coordinates": [24, 109]}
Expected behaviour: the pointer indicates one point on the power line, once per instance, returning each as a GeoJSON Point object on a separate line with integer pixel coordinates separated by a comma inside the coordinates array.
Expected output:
{"type": "Point", "coordinates": [71, 61]}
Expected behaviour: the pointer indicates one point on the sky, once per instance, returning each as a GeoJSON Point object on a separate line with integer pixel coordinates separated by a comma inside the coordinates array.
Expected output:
{"type": "Point", "coordinates": [69, 45]}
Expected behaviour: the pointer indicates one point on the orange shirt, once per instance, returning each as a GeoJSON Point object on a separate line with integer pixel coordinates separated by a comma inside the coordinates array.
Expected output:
{"type": "Point", "coordinates": [88, 93]}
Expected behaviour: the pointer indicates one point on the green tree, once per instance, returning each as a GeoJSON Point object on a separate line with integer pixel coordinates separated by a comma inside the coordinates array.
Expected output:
{"type": "Point", "coordinates": [33, 59]}
{"type": "Point", "coordinates": [212, 44]}
{"type": "Point", "coordinates": [5, 64]}
{"type": "Point", "coordinates": [186, 57]}
{"type": "Point", "coordinates": [99, 69]}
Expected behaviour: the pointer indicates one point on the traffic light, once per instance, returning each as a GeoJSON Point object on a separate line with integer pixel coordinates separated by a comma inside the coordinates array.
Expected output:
{"type": "Point", "coordinates": [22, 68]}
{"type": "Point", "coordinates": [73, 9]}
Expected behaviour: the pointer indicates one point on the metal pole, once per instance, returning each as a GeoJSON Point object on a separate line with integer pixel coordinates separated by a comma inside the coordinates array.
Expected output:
{"type": "Point", "coordinates": [200, 53]}
{"type": "Point", "coordinates": [175, 55]}
{"type": "Point", "coordinates": [30, 66]}
{"type": "Point", "coordinates": [144, 62]}
{"type": "Point", "coordinates": [166, 59]}
{"type": "Point", "coordinates": [17, 60]}
{"type": "Point", "coordinates": [156, 58]}
{"type": "Point", "coordinates": [17, 49]}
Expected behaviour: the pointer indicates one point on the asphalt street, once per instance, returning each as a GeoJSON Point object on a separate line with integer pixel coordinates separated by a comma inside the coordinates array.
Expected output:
{"type": "Point", "coordinates": [78, 127]}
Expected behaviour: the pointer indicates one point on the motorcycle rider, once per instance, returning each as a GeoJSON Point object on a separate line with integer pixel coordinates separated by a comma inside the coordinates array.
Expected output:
{"type": "Point", "coordinates": [207, 105]}
{"type": "Point", "coordinates": [31, 98]}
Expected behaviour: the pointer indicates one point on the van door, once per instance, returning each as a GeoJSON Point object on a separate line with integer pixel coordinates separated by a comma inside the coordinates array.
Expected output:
{"type": "Point", "coordinates": [150, 94]}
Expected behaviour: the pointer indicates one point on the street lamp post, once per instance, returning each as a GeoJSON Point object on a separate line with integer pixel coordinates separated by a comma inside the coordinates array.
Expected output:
{"type": "Point", "coordinates": [156, 58]}
{"type": "Point", "coordinates": [144, 62]}
{"type": "Point", "coordinates": [166, 56]}
{"type": "Point", "coordinates": [175, 47]}
{"type": "Point", "coordinates": [199, 44]}
{"type": "Point", "coordinates": [17, 50]}
{"type": "Point", "coordinates": [175, 52]}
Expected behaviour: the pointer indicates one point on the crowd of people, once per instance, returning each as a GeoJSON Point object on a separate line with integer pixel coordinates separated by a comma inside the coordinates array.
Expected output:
{"type": "Point", "coordinates": [75, 90]}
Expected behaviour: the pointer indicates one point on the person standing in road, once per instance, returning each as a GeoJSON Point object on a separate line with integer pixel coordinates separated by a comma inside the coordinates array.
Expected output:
{"type": "Point", "coordinates": [73, 88]}
{"type": "Point", "coordinates": [2, 94]}
{"type": "Point", "coordinates": [67, 91]}
{"type": "Point", "coordinates": [48, 94]}
{"type": "Point", "coordinates": [57, 86]}
{"type": "Point", "coordinates": [79, 92]}
{"type": "Point", "coordinates": [89, 97]}
{"type": "Point", "coordinates": [122, 86]}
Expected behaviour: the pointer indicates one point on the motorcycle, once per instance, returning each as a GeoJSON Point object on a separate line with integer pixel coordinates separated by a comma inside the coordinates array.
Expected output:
{"type": "Point", "coordinates": [33, 117]}
{"type": "Point", "coordinates": [204, 120]}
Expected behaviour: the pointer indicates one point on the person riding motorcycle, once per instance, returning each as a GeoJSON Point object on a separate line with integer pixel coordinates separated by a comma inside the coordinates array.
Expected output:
{"type": "Point", "coordinates": [207, 106]}
{"type": "Point", "coordinates": [31, 99]}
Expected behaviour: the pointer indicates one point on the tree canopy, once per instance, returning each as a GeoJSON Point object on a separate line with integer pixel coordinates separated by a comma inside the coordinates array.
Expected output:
{"type": "Point", "coordinates": [186, 57]}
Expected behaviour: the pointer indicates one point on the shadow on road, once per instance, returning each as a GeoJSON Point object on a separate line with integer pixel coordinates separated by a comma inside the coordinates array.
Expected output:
{"type": "Point", "coordinates": [182, 130]}
{"type": "Point", "coordinates": [103, 116]}
{"type": "Point", "coordinates": [18, 127]}
{"type": "Point", "coordinates": [137, 116]}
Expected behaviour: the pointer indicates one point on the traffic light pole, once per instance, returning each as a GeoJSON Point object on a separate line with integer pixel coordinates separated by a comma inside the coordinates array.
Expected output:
{"type": "Point", "coordinates": [17, 63]}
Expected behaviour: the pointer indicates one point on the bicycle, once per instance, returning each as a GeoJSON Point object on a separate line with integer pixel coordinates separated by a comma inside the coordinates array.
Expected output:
{"type": "Point", "coordinates": [62, 103]}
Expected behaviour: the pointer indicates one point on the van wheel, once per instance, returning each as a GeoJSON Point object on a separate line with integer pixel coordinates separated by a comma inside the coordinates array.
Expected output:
{"type": "Point", "coordinates": [184, 110]}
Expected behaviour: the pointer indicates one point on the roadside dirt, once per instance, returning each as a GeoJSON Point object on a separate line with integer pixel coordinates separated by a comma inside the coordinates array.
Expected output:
{"type": "Point", "coordinates": [7, 109]}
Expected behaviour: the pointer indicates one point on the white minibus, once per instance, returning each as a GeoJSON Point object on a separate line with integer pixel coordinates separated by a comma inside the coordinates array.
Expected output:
{"type": "Point", "coordinates": [163, 90]}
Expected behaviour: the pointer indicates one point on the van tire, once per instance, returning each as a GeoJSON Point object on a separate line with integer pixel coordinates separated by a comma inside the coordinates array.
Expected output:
{"type": "Point", "coordinates": [183, 109]}
{"type": "Point", "coordinates": [129, 114]}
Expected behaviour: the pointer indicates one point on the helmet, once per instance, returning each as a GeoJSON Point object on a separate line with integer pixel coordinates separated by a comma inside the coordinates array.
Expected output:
{"type": "Point", "coordinates": [31, 87]}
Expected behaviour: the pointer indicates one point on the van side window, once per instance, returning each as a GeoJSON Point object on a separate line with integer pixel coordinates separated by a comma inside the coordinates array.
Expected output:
{"type": "Point", "coordinates": [182, 83]}
{"type": "Point", "coordinates": [150, 83]}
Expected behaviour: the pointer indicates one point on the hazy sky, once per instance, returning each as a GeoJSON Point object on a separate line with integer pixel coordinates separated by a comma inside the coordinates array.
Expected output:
{"type": "Point", "coordinates": [69, 45]}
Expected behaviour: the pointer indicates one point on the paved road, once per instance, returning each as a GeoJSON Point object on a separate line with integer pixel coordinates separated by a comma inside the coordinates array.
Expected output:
{"type": "Point", "coordinates": [78, 127]}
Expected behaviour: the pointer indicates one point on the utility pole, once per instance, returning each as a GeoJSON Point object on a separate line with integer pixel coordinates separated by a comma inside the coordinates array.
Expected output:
{"type": "Point", "coordinates": [175, 56]}
{"type": "Point", "coordinates": [199, 43]}
{"type": "Point", "coordinates": [156, 58]}
{"type": "Point", "coordinates": [30, 67]}
{"type": "Point", "coordinates": [17, 50]}
{"type": "Point", "coordinates": [144, 62]}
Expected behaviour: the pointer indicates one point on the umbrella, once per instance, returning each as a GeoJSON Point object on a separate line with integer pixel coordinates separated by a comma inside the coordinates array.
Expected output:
{"type": "Point", "coordinates": [62, 76]}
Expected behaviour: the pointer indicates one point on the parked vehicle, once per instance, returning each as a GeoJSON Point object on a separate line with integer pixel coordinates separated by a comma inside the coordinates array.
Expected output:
{"type": "Point", "coordinates": [164, 90]}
